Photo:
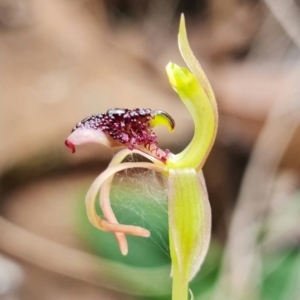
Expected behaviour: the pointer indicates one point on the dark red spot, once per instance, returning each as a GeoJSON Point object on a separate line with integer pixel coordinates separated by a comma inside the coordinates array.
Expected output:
{"type": "Point", "coordinates": [70, 145]}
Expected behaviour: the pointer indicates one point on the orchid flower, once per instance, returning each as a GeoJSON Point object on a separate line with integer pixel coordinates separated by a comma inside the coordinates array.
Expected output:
{"type": "Point", "coordinates": [188, 206]}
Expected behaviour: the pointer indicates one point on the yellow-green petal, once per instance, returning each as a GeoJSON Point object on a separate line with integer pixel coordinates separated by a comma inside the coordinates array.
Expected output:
{"type": "Point", "coordinates": [189, 221]}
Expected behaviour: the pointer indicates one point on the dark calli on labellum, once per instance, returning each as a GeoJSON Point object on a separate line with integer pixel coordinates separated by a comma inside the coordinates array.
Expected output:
{"type": "Point", "coordinates": [118, 127]}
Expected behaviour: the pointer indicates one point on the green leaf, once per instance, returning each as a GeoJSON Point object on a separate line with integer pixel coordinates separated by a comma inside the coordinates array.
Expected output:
{"type": "Point", "coordinates": [189, 221]}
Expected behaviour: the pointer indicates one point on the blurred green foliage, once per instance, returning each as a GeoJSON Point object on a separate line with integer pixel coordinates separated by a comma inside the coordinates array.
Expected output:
{"type": "Point", "coordinates": [281, 274]}
{"type": "Point", "coordinates": [143, 210]}
{"type": "Point", "coordinates": [280, 269]}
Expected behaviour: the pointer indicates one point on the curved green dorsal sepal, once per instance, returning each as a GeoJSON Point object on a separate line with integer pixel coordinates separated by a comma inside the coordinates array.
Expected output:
{"type": "Point", "coordinates": [195, 91]}
{"type": "Point", "coordinates": [197, 102]}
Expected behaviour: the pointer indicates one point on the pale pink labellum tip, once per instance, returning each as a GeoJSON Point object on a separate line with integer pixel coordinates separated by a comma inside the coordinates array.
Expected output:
{"type": "Point", "coordinates": [87, 135]}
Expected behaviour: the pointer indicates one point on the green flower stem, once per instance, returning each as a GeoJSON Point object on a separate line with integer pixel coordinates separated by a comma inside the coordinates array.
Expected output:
{"type": "Point", "coordinates": [179, 288]}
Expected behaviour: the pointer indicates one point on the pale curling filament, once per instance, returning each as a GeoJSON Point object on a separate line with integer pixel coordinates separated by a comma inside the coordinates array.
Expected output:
{"type": "Point", "coordinates": [103, 183]}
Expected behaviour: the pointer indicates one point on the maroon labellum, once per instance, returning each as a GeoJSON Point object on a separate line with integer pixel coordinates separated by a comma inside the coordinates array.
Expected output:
{"type": "Point", "coordinates": [121, 127]}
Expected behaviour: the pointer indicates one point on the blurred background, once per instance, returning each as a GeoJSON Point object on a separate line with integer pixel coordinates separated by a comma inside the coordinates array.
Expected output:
{"type": "Point", "coordinates": [63, 60]}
